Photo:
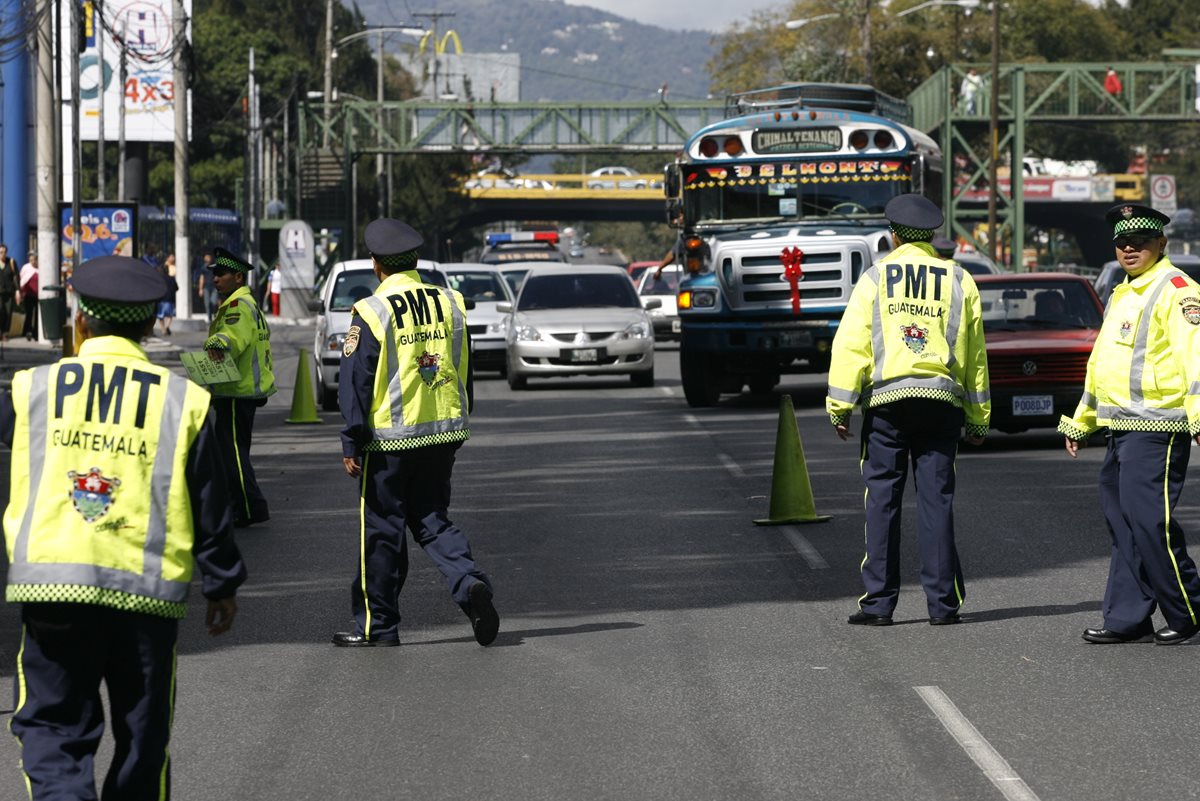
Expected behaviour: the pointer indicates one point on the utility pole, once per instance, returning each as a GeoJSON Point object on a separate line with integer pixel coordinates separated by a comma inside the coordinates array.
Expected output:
{"type": "Point", "coordinates": [123, 76]}
{"type": "Point", "coordinates": [328, 69]}
{"type": "Point", "coordinates": [868, 70]}
{"type": "Point", "coordinates": [48, 114]}
{"type": "Point", "coordinates": [380, 177]}
{"type": "Point", "coordinates": [76, 143]}
{"type": "Point", "coordinates": [994, 136]}
{"type": "Point", "coordinates": [98, 32]}
{"type": "Point", "coordinates": [434, 16]}
{"type": "Point", "coordinates": [183, 266]}
{"type": "Point", "coordinates": [252, 168]}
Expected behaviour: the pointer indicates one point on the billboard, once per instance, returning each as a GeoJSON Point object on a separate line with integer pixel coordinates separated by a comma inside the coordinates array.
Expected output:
{"type": "Point", "coordinates": [107, 229]}
{"type": "Point", "coordinates": [146, 26]}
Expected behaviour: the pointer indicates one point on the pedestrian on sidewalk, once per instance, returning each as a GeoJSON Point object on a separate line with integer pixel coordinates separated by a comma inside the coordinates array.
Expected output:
{"type": "Point", "coordinates": [29, 297]}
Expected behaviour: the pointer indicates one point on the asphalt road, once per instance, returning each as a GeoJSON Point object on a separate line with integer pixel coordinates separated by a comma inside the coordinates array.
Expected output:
{"type": "Point", "coordinates": [655, 643]}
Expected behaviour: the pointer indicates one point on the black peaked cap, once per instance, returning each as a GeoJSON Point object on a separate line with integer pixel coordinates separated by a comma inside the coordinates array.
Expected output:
{"type": "Point", "coordinates": [914, 211]}
{"type": "Point", "coordinates": [390, 237]}
{"type": "Point", "coordinates": [119, 279]}
{"type": "Point", "coordinates": [231, 261]}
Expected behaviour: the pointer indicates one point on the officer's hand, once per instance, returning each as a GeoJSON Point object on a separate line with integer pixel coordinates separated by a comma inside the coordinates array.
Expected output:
{"type": "Point", "coordinates": [974, 440]}
{"type": "Point", "coordinates": [219, 618]}
{"type": "Point", "coordinates": [843, 431]}
{"type": "Point", "coordinates": [353, 466]}
{"type": "Point", "coordinates": [216, 354]}
{"type": "Point", "coordinates": [1073, 445]}
{"type": "Point", "coordinates": [1197, 438]}
{"type": "Point", "coordinates": [658, 273]}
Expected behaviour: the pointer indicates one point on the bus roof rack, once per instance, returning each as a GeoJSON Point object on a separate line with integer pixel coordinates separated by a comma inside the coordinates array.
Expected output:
{"type": "Point", "coordinates": [846, 96]}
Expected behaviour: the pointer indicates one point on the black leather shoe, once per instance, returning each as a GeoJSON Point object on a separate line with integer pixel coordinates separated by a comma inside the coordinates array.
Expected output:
{"type": "Point", "coordinates": [485, 621]}
{"type": "Point", "coordinates": [1110, 637]}
{"type": "Point", "coordinates": [348, 639]}
{"type": "Point", "coordinates": [948, 620]}
{"type": "Point", "coordinates": [1170, 636]}
{"type": "Point", "coordinates": [867, 619]}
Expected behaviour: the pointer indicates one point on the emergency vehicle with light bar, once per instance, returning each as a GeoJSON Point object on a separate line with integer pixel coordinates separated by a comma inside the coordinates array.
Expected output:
{"type": "Point", "coordinates": [782, 210]}
{"type": "Point", "coordinates": [504, 247]}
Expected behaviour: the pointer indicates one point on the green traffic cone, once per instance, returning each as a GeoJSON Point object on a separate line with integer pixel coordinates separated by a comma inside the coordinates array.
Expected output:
{"type": "Point", "coordinates": [791, 492]}
{"type": "Point", "coordinates": [304, 408]}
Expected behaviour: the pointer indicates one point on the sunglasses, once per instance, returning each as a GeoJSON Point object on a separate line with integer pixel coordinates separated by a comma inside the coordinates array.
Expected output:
{"type": "Point", "coordinates": [1136, 242]}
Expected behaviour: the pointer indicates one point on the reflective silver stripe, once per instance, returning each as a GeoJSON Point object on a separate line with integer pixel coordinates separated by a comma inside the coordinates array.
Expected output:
{"type": "Point", "coordinates": [1137, 368]}
{"type": "Point", "coordinates": [256, 369]}
{"type": "Point", "coordinates": [95, 576]}
{"type": "Point", "coordinates": [160, 476]}
{"type": "Point", "coordinates": [391, 360]}
{"type": "Point", "coordinates": [1194, 389]}
{"type": "Point", "coordinates": [846, 395]}
{"type": "Point", "coordinates": [979, 397]}
{"type": "Point", "coordinates": [878, 345]}
{"type": "Point", "coordinates": [956, 309]}
{"type": "Point", "coordinates": [38, 415]}
{"type": "Point", "coordinates": [1088, 400]}
{"type": "Point", "coordinates": [460, 325]}
{"type": "Point", "coordinates": [910, 382]}
{"type": "Point", "coordinates": [1142, 413]}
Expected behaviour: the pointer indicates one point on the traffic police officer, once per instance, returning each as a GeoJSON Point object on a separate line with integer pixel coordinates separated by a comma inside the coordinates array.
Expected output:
{"type": "Point", "coordinates": [404, 396]}
{"type": "Point", "coordinates": [910, 351]}
{"type": "Point", "coordinates": [1143, 384]}
{"type": "Point", "coordinates": [115, 491]}
{"type": "Point", "coordinates": [239, 329]}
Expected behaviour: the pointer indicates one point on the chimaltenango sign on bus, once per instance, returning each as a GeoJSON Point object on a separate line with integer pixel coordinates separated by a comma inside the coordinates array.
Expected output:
{"type": "Point", "coordinates": [798, 140]}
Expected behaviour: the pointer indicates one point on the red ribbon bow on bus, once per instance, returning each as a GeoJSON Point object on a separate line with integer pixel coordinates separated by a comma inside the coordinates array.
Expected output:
{"type": "Point", "coordinates": [792, 258]}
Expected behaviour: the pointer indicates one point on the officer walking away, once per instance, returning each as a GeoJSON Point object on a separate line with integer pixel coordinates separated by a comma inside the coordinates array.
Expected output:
{"type": "Point", "coordinates": [910, 351]}
{"type": "Point", "coordinates": [115, 494]}
{"type": "Point", "coordinates": [239, 331]}
{"type": "Point", "coordinates": [1141, 385]}
{"type": "Point", "coordinates": [404, 396]}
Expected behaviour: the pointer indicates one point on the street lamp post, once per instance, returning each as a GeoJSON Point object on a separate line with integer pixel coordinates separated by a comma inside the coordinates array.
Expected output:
{"type": "Point", "coordinates": [994, 136]}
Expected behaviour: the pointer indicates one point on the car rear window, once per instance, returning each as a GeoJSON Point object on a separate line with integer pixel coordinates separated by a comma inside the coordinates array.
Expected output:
{"type": "Point", "coordinates": [478, 286]}
{"type": "Point", "coordinates": [584, 290]}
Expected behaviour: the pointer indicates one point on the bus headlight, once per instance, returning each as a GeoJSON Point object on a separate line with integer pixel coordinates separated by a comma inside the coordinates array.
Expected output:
{"type": "Point", "coordinates": [697, 299]}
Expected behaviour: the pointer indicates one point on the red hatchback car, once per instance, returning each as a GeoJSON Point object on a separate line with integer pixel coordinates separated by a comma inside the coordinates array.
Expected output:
{"type": "Point", "coordinates": [1040, 329]}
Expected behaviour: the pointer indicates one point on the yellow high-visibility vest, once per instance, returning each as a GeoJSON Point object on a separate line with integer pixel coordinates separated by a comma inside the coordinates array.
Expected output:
{"type": "Point", "coordinates": [1144, 371]}
{"type": "Point", "coordinates": [99, 510]}
{"type": "Point", "coordinates": [240, 328]}
{"type": "Point", "coordinates": [420, 381]}
{"type": "Point", "coordinates": [913, 329]}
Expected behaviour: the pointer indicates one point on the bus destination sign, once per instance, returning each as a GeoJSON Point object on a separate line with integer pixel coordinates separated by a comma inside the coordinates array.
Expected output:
{"type": "Point", "coordinates": [798, 140]}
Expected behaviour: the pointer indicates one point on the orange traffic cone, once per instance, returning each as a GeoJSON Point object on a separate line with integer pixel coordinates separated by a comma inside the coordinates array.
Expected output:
{"type": "Point", "coordinates": [791, 491]}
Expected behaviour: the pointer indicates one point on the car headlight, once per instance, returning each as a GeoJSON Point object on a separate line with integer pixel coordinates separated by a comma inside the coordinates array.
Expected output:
{"type": "Point", "coordinates": [335, 342]}
{"type": "Point", "coordinates": [527, 333]}
{"type": "Point", "coordinates": [497, 327]}
{"type": "Point", "coordinates": [639, 330]}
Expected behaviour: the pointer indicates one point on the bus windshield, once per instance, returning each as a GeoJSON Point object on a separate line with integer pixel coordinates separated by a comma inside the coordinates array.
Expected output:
{"type": "Point", "coordinates": [795, 190]}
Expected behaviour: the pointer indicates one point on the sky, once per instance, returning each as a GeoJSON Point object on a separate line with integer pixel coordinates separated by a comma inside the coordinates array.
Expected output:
{"type": "Point", "coordinates": [708, 15]}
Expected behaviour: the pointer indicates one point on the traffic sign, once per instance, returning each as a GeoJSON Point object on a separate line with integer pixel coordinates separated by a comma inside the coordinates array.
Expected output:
{"type": "Point", "coordinates": [1162, 193]}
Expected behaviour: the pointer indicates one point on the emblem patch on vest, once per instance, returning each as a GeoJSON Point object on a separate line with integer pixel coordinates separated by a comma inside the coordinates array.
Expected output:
{"type": "Point", "coordinates": [1191, 310]}
{"type": "Point", "coordinates": [914, 337]}
{"type": "Point", "coordinates": [351, 343]}
{"type": "Point", "coordinates": [428, 365]}
{"type": "Point", "coordinates": [92, 493]}
{"type": "Point", "coordinates": [1126, 330]}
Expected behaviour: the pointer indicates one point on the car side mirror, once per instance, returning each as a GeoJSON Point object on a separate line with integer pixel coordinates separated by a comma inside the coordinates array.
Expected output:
{"type": "Point", "coordinates": [316, 305]}
{"type": "Point", "coordinates": [468, 303]}
{"type": "Point", "coordinates": [504, 307]}
{"type": "Point", "coordinates": [652, 303]}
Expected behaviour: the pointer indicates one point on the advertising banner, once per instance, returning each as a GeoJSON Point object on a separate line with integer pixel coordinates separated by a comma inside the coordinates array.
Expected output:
{"type": "Point", "coordinates": [107, 229]}
{"type": "Point", "coordinates": [146, 28]}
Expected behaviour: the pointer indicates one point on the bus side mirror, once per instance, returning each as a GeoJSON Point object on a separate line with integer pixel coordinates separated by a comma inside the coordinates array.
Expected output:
{"type": "Point", "coordinates": [671, 181]}
{"type": "Point", "coordinates": [674, 214]}
{"type": "Point", "coordinates": [918, 176]}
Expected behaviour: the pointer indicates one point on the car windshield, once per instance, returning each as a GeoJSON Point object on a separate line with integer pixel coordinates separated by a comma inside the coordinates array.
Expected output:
{"type": "Point", "coordinates": [566, 291]}
{"type": "Point", "coordinates": [666, 284]}
{"type": "Point", "coordinates": [975, 265]}
{"type": "Point", "coordinates": [1040, 305]}
{"type": "Point", "coordinates": [350, 287]}
{"type": "Point", "coordinates": [481, 287]}
{"type": "Point", "coordinates": [514, 279]}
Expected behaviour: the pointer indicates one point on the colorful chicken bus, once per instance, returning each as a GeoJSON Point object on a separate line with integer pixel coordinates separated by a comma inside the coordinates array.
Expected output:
{"type": "Point", "coordinates": [780, 207]}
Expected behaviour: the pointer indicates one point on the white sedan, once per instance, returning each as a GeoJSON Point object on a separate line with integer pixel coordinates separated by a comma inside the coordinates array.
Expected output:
{"type": "Point", "coordinates": [579, 320]}
{"type": "Point", "coordinates": [620, 177]}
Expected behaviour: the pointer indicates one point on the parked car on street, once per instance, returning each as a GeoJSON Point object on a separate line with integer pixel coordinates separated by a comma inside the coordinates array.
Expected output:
{"type": "Point", "coordinates": [665, 289]}
{"type": "Point", "coordinates": [579, 320]}
{"type": "Point", "coordinates": [618, 177]}
{"type": "Point", "coordinates": [483, 284]}
{"type": "Point", "coordinates": [1112, 273]}
{"type": "Point", "coordinates": [1040, 329]}
{"type": "Point", "coordinates": [346, 283]}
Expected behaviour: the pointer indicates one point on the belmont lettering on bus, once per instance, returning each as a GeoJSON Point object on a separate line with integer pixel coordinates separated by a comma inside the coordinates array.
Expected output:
{"type": "Point", "coordinates": [802, 168]}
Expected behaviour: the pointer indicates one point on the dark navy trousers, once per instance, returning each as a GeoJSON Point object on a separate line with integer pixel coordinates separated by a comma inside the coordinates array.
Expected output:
{"type": "Point", "coordinates": [235, 428]}
{"type": "Point", "coordinates": [925, 432]}
{"type": "Point", "coordinates": [67, 650]}
{"type": "Point", "coordinates": [1140, 483]}
{"type": "Point", "coordinates": [406, 489]}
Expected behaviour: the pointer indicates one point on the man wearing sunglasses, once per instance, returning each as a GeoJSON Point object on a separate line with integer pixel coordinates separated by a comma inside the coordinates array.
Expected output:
{"type": "Point", "coordinates": [1141, 385]}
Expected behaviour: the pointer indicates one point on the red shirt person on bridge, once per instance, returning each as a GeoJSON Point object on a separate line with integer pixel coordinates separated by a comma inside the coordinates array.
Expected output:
{"type": "Point", "coordinates": [1112, 83]}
